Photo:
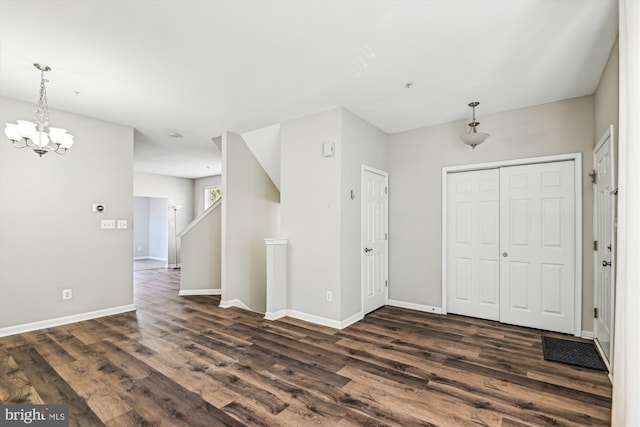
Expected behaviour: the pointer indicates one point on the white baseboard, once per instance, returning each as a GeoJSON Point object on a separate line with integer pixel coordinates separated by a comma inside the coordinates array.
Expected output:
{"type": "Point", "coordinates": [59, 321]}
{"type": "Point", "coordinates": [414, 306]}
{"type": "Point", "coordinates": [275, 315]}
{"type": "Point", "coordinates": [351, 320]}
{"type": "Point", "coordinates": [188, 292]}
{"type": "Point", "coordinates": [234, 303]}
{"type": "Point", "coordinates": [312, 318]}
{"type": "Point", "coordinates": [152, 258]}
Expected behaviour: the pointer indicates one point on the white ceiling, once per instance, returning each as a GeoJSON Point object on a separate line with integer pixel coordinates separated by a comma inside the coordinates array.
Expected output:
{"type": "Point", "coordinates": [203, 67]}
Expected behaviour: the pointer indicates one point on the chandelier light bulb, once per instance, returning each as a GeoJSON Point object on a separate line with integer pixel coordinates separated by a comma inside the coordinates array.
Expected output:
{"type": "Point", "coordinates": [12, 132]}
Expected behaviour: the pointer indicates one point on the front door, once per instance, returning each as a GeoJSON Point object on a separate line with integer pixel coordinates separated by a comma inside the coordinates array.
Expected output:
{"type": "Point", "coordinates": [374, 239]}
{"type": "Point", "coordinates": [603, 229]}
{"type": "Point", "coordinates": [537, 246]}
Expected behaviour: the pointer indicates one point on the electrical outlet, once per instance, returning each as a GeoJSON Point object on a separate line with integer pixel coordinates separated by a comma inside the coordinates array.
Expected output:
{"type": "Point", "coordinates": [122, 224]}
{"type": "Point", "coordinates": [67, 294]}
{"type": "Point", "coordinates": [329, 296]}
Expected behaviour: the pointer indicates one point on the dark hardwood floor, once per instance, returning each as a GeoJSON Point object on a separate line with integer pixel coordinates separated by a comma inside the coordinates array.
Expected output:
{"type": "Point", "coordinates": [184, 361]}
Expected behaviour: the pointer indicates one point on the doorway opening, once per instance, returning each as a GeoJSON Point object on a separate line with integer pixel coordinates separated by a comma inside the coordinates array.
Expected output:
{"type": "Point", "coordinates": [150, 233]}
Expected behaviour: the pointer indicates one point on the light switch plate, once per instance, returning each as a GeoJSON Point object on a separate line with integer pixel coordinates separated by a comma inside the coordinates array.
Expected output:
{"type": "Point", "coordinates": [327, 149]}
{"type": "Point", "coordinates": [108, 224]}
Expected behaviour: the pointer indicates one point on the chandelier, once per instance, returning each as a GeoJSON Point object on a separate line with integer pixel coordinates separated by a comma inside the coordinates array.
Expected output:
{"type": "Point", "coordinates": [474, 137]}
{"type": "Point", "coordinates": [39, 136]}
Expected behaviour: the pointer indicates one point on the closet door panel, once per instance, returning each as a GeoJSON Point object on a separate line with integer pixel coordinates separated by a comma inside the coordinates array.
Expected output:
{"type": "Point", "coordinates": [473, 240]}
{"type": "Point", "coordinates": [537, 244]}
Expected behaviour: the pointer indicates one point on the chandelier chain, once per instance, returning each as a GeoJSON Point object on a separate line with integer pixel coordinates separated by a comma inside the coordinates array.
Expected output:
{"type": "Point", "coordinates": [41, 115]}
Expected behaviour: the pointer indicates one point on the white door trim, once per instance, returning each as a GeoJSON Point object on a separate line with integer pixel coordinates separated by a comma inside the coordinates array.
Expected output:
{"type": "Point", "coordinates": [363, 169]}
{"type": "Point", "coordinates": [577, 158]}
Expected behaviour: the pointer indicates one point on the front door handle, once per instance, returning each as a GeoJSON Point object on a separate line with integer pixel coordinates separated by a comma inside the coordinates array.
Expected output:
{"type": "Point", "coordinates": [367, 250]}
{"type": "Point", "coordinates": [606, 263]}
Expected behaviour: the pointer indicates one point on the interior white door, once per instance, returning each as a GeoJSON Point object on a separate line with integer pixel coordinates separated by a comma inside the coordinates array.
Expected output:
{"type": "Point", "coordinates": [473, 267]}
{"type": "Point", "coordinates": [604, 235]}
{"type": "Point", "coordinates": [374, 239]}
{"type": "Point", "coordinates": [537, 244]}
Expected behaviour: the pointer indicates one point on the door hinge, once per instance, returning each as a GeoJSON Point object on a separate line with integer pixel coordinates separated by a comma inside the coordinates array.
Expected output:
{"type": "Point", "coordinates": [595, 313]}
{"type": "Point", "coordinates": [595, 245]}
{"type": "Point", "coordinates": [386, 190]}
{"type": "Point", "coordinates": [385, 236]}
{"type": "Point", "coordinates": [386, 284]}
{"type": "Point", "coordinates": [594, 177]}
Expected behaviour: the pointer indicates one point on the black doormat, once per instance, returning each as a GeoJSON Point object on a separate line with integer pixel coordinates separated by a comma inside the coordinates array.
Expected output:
{"type": "Point", "coordinates": [583, 354]}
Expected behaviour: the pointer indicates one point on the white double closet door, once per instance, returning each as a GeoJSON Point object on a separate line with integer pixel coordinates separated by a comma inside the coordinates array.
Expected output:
{"type": "Point", "coordinates": [510, 242]}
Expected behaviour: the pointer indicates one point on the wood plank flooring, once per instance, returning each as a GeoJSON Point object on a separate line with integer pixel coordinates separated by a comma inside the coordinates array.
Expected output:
{"type": "Point", "coordinates": [183, 361]}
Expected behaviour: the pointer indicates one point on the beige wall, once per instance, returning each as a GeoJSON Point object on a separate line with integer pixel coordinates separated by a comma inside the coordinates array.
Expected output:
{"type": "Point", "coordinates": [250, 211]}
{"type": "Point", "coordinates": [201, 255]}
{"type": "Point", "coordinates": [50, 239]}
{"type": "Point", "coordinates": [606, 98]}
{"type": "Point", "coordinates": [198, 191]}
{"type": "Point", "coordinates": [319, 217]}
{"type": "Point", "coordinates": [310, 213]}
{"type": "Point", "coordinates": [362, 144]}
{"type": "Point", "coordinates": [416, 159]}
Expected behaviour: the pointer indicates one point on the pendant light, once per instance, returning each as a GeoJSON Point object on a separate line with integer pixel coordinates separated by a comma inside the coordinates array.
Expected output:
{"type": "Point", "coordinates": [474, 138]}
{"type": "Point", "coordinates": [39, 136]}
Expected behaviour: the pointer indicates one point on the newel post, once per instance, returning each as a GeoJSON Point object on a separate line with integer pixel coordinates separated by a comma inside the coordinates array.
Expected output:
{"type": "Point", "coordinates": [276, 278]}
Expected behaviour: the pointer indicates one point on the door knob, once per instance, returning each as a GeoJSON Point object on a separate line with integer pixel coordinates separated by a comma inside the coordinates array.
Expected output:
{"type": "Point", "coordinates": [504, 254]}
{"type": "Point", "coordinates": [606, 263]}
{"type": "Point", "coordinates": [367, 250]}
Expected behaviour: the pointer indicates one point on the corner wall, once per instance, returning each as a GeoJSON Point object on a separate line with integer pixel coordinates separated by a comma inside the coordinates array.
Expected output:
{"type": "Point", "coordinates": [201, 256]}
{"type": "Point", "coordinates": [607, 97]}
{"type": "Point", "coordinates": [250, 213]}
{"type": "Point", "coordinates": [319, 218]}
{"type": "Point", "coordinates": [50, 239]}
{"type": "Point", "coordinates": [310, 214]}
{"type": "Point", "coordinates": [416, 159]}
{"type": "Point", "coordinates": [363, 144]}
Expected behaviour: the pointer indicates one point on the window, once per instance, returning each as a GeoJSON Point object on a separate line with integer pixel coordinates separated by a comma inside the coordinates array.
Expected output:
{"type": "Point", "coordinates": [211, 195]}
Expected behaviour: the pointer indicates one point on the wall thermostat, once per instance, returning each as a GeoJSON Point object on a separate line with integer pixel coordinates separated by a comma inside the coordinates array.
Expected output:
{"type": "Point", "coordinates": [99, 207]}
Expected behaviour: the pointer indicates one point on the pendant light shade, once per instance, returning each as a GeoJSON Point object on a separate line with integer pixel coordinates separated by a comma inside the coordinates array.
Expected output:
{"type": "Point", "coordinates": [474, 138]}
